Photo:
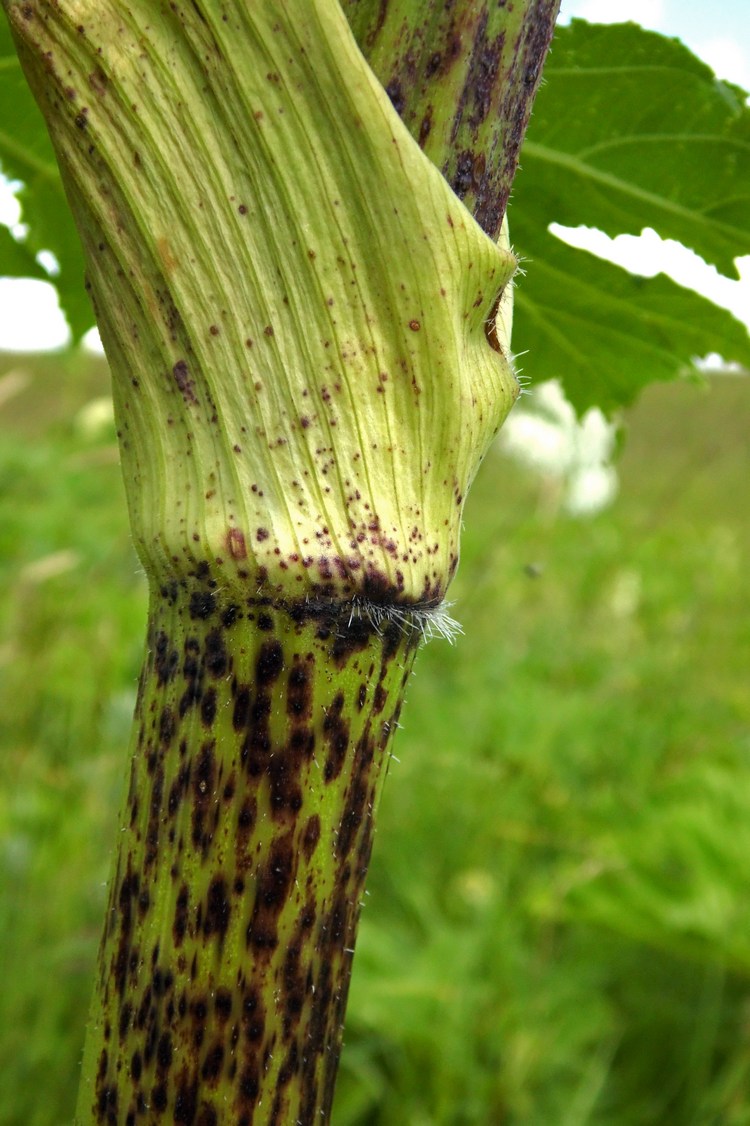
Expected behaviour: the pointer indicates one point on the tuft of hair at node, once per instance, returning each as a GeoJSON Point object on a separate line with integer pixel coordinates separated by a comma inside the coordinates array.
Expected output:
{"type": "Point", "coordinates": [428, 621]}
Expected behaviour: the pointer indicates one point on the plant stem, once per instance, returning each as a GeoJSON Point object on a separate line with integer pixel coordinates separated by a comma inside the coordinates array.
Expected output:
{"type": "Point", "coordinates": [259, 749]}
{"type": "Point", "coordinates": [462, 77]}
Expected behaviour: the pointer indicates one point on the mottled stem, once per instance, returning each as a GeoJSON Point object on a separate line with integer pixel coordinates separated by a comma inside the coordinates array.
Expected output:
{"type": "Point", "coordinates": [462, 77]}
{"type": "Point", "coordinates": [258, 757]}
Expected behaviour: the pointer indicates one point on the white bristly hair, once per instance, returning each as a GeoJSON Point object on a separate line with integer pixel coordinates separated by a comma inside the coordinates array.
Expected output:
{"type": "Point", "coordinates": [429, 621]}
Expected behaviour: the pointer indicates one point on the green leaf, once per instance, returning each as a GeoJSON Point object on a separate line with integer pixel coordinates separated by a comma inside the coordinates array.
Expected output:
{"type": "Point", "coordinates": [16, 260]}
{"type": "Point", "coordinates": [630, 131]}
{"type": "Point", "coordinates": [26, 154]}
{"type": "Point", "coordinates": [606, 333]}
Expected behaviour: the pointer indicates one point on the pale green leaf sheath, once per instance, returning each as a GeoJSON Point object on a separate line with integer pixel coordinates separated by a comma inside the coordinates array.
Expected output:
{"type": "Point", "coordinates": [295, 308]}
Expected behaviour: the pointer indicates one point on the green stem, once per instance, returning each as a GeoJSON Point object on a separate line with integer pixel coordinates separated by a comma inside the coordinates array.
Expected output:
{"type": "Point", "coordinates": [258, 758]}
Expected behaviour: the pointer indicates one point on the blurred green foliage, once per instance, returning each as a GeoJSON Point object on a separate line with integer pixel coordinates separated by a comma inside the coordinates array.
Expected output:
{"type": "Point", "coordinates": [557, 929]}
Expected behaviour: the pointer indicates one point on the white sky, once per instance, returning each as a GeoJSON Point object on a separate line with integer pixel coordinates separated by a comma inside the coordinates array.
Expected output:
{"type": "Point", "coordinates": [30, 318]}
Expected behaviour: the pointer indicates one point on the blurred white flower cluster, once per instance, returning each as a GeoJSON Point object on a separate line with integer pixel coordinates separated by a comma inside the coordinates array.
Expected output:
{"type": "Point", "coordinates": [574, 455]}
{"type": "Point", "coordinates": [96, 419]}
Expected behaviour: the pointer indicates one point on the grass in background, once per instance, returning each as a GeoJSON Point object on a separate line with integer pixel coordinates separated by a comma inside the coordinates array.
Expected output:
{"type": "Point", "coordinates": [557, 927]}
{"type": "Point", "coordinates": [72, 621]}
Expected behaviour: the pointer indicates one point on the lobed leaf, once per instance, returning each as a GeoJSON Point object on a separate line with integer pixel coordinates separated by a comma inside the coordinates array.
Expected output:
{"type": "Point", "coordinates": [630, 131]}
{"type": "Point", "coordinates": [606, 333]}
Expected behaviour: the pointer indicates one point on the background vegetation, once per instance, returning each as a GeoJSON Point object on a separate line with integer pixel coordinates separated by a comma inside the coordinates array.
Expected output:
{"type": "Point", "coordinates": [557, 929]}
